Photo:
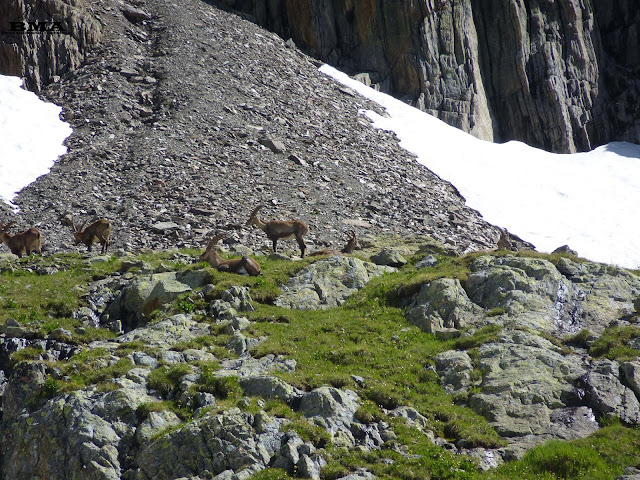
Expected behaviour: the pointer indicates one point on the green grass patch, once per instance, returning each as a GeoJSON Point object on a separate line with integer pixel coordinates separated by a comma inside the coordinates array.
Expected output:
{"type": "Point", "coordinates": [601, 456]}
{"type": "Point", "coordinates": [165, 379]}
{"type": "Point", "coordinates": [369, 339]}
{"type": "Point", "coordinates": [487, 334]}
{"type": "Point", "coordinates": [614, 343]}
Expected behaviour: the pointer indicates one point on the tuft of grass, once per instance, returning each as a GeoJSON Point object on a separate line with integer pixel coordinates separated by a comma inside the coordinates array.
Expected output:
{"type": "Point", "coordinates": [221, 387]}
{"type": "Point", "coordinates": [369, 412]}
{"type": "Point", "coordinates": [580, 339]}
{"type": "Point", "coordinates": [144, 409]}
{"type": "Point", "coordinates": [487, 334]}
{"type": "Point", "coordinates": [600, 456]}
{"type": "Point", "coordinates": [614, 343]}
{"type": "Point", "coordinates": [496, 312]}
{"type": "Point", "coordinates": [165, 379]}
{"type": "Point", "coordinates": [271, 474]}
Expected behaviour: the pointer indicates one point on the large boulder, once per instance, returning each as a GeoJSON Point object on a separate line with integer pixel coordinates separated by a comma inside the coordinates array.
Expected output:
{"type": "Point", "coordinates": [146, 293]}
{"type": "Point", "coordinates": [442, 305]}
{"type": "Point", "coordinates": [328, 283]}
{"type": "Point", "coordinates": [168, 332]}
{"type": "Point", "coordinates": [455, 369]}
{"type": "Point", "coordinates": [334, 409]}
{"type": "Point", "coordinates": [605, 393]}
{"type": "Point", "coordinates": [524, 379]}
{"type": "Point", "coordinates": [213, 443]}
{"type": "Point", "coordinates": [84, 434]}
{"type": "Point", "coordinates": [603, 293]}
{"type": "Point", "coordinates": [526, 288]}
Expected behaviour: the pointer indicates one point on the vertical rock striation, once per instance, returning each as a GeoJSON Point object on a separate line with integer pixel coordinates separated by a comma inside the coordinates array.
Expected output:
{"type": "Point", "coordinates": [560, 75]}
{"type": "Point", "coordinates": [54, 45]}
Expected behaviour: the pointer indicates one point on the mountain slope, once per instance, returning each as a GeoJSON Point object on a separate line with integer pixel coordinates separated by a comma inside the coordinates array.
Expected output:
{"type": "Point", "coordinates": [175, 114]}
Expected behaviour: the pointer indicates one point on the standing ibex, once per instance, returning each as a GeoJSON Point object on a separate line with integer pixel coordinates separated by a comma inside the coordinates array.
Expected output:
{"type": "Point", "coordinates": [352, 243]}
{"type": "Point", "coordinates": [280, 229]}
{"type": "Point", "coordinates": [21, 243]}
{"type": "Point", "coordinates": [98, 231]}
{"type": "Point", "coordinates": [244, 265]}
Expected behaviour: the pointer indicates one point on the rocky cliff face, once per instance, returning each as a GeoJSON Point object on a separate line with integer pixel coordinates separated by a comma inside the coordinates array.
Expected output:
{"type": "Point", "coordinates": [557, 75]}
{"type": "Point", "coordinates": [42, 40]}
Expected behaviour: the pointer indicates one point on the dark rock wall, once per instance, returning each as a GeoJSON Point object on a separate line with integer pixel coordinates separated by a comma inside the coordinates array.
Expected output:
{"type": "Point", "coordinates": [557, 74]}
{"type": "Point", "coordinates": [40, 56]}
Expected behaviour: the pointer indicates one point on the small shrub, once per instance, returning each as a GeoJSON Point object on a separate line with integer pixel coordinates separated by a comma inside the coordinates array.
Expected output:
{"type": "Point", "coordinates": [186, 306]}
{"type": "Point", "coordinates": [496, 312]}
{"type": "Point", "coordinates": [51, 387]}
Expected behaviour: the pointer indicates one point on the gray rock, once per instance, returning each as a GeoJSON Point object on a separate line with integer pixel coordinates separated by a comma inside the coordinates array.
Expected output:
{"type": "Point", "coordinates": [166, 333]}
{"type": "Point", "coordinates": [266, 386]}
{"type": "Point", "coordinates": [276, 146]}
{"type": "Point", "coordinates": [524, 380]}
{"type": "Point", "coordinates": [164, 227]}
{"type": "Point", "coordinates": [390, 258]}
{"type": "Point", "coordinates": [442, 304]}
{"type": "Point", "coordinates": [328, 283]}
{"type": "Point", "coordinates": [566, 250]}
{"type": "Point", "coordinates": [327, 402]}
{"type": "Point", "coordinates": [631, 375]}
{"type": "Point", "coordinates": [454, 368]}
{"type": "Point", "coordinates": [216, 443]}
{"type": "Point", "coordinates": [428, 261]}
{"type": "Point", "coordinates": [145, 294]}
{"type": "Point", "coordinates": [605, 394]}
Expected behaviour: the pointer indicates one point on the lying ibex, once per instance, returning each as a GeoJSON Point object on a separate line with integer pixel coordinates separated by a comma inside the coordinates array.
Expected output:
{"type": "Point", "coordinates": [352, 243]}
{"type": "Point", "coordinates": [244, 265]}
{"type": "Point", "coordinates": [280, 229]}
{"type": "Point", "coordinates": [98, 231]}
{"type": "Point", "coordinates": [21, 243]}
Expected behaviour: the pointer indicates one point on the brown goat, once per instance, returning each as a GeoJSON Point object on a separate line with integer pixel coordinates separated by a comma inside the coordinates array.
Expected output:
{"type": "Point", "coordinates": [352, 243]}
{"type": "Point", "coordinates": [98, 231]}
{"type": "Point", "coordinates": [21, 243]}
{"type": "Point", "coordinates": [244, 265]}
{"type": "Point", "coordinates": [280, 229]}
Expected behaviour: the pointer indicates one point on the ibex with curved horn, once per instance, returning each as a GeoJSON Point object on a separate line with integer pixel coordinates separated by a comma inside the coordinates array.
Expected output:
{"type": "Point", "coordinates": [244, 265]}
{"type": "Point", "coordinates": [352, 243]}
{"type": "Point", "coordinates": [98, 231]}
{"type": "Point", "coordinates": [21, 243]}
{"type": "Point", "coordinates": [280, 229]}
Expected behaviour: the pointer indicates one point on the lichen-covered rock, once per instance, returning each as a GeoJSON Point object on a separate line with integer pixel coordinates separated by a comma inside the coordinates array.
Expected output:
{"type": "Point", "coordinates": [526, 288]}
{"type": "Point", "coordinates": [605, 293]}
{"type": "Point", "coordinates": [145, 294]}
{"type": "Point", "coordinates": [84, 434]}
{"type": "Point", "coordinates": [524, 380]}
{"type": "Point", "coordinates": [167, 332]}
{"type": "Point", "coordinates": [605, 393]}
{"type": "Point", "coordinates": [454, 368]}
{"type": "Point", "coordinates": [442, 304]}
{"type": "Point", "coordinates": [334, 409]}
{"type": "Point", "coordinates": [328, 283]}
{"type": "Point", "coordinates": [213, 443]}
{"type": "Point", "coordinates": [267, 386]}
{"type": "Point", "coordinates": [390, 258]}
